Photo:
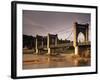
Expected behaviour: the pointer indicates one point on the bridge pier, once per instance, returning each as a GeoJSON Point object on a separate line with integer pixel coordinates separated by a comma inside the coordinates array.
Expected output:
{"type": "Point", "coordinates": [49, 51]}
{"type": "Point", "coordinates": [48, 44]}
{"type": "Point", "coordinates": [76, 50]}
{"type": "Point", "coordinates": [36, 45]}
{"type": "Point", "coordinates": [37, 51]}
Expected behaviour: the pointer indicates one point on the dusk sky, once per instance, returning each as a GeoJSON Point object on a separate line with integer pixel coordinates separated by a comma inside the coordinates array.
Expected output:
{"type": "Point", "coordinates": [61, 23]}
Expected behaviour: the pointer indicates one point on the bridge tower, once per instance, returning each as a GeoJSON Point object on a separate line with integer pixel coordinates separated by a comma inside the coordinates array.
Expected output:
{"type": "Point", "coordinates": [84, 28]}
{"type": "Point", "coordinates": [39, 43]}
{"type": "Point", "coordinates": [51, 41]}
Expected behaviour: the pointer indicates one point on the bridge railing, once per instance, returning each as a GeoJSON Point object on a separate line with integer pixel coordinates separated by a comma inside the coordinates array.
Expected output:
{"type": "Point", "coordinates": [64, 45]}
{"type": "Point", "coordinates": [84, 43]}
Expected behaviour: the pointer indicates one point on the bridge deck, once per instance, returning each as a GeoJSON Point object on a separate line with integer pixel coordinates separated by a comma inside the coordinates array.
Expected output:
{"type": "Point", "coordinates": [65, 45]}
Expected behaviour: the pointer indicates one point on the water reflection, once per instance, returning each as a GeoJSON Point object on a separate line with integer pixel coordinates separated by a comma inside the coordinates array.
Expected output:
{"type": "Point", "coordinates": [41, 61]}
{"type": "Point", "coordinates": [82, 62]}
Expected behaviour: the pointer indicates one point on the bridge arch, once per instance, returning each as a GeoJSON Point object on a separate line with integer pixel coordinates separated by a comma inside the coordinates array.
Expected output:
{"type": "Point", "coordinates": [81, 37]}
{"type": "Point", "coordinates": [84, 29]}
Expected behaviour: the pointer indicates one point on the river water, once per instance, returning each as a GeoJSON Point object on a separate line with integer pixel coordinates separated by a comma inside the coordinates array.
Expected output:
{"type": "Point", "coordinates": [32, 61]}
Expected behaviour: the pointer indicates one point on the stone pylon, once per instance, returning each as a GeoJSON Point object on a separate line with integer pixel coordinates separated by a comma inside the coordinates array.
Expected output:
{"type": "Point", "coordinates": [77, 29]}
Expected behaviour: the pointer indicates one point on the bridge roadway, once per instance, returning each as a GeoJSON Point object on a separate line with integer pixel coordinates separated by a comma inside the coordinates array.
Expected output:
{"type": "Point", "coordinates": [64, 45]}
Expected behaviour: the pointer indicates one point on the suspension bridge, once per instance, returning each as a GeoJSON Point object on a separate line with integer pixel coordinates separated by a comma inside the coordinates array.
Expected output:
{"type": "Point", "coordinates": [51, 43]}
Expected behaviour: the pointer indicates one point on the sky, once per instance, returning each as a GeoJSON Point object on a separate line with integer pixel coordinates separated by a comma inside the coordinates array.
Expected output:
{"type": "Point", "coordinates": [61, 23]}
